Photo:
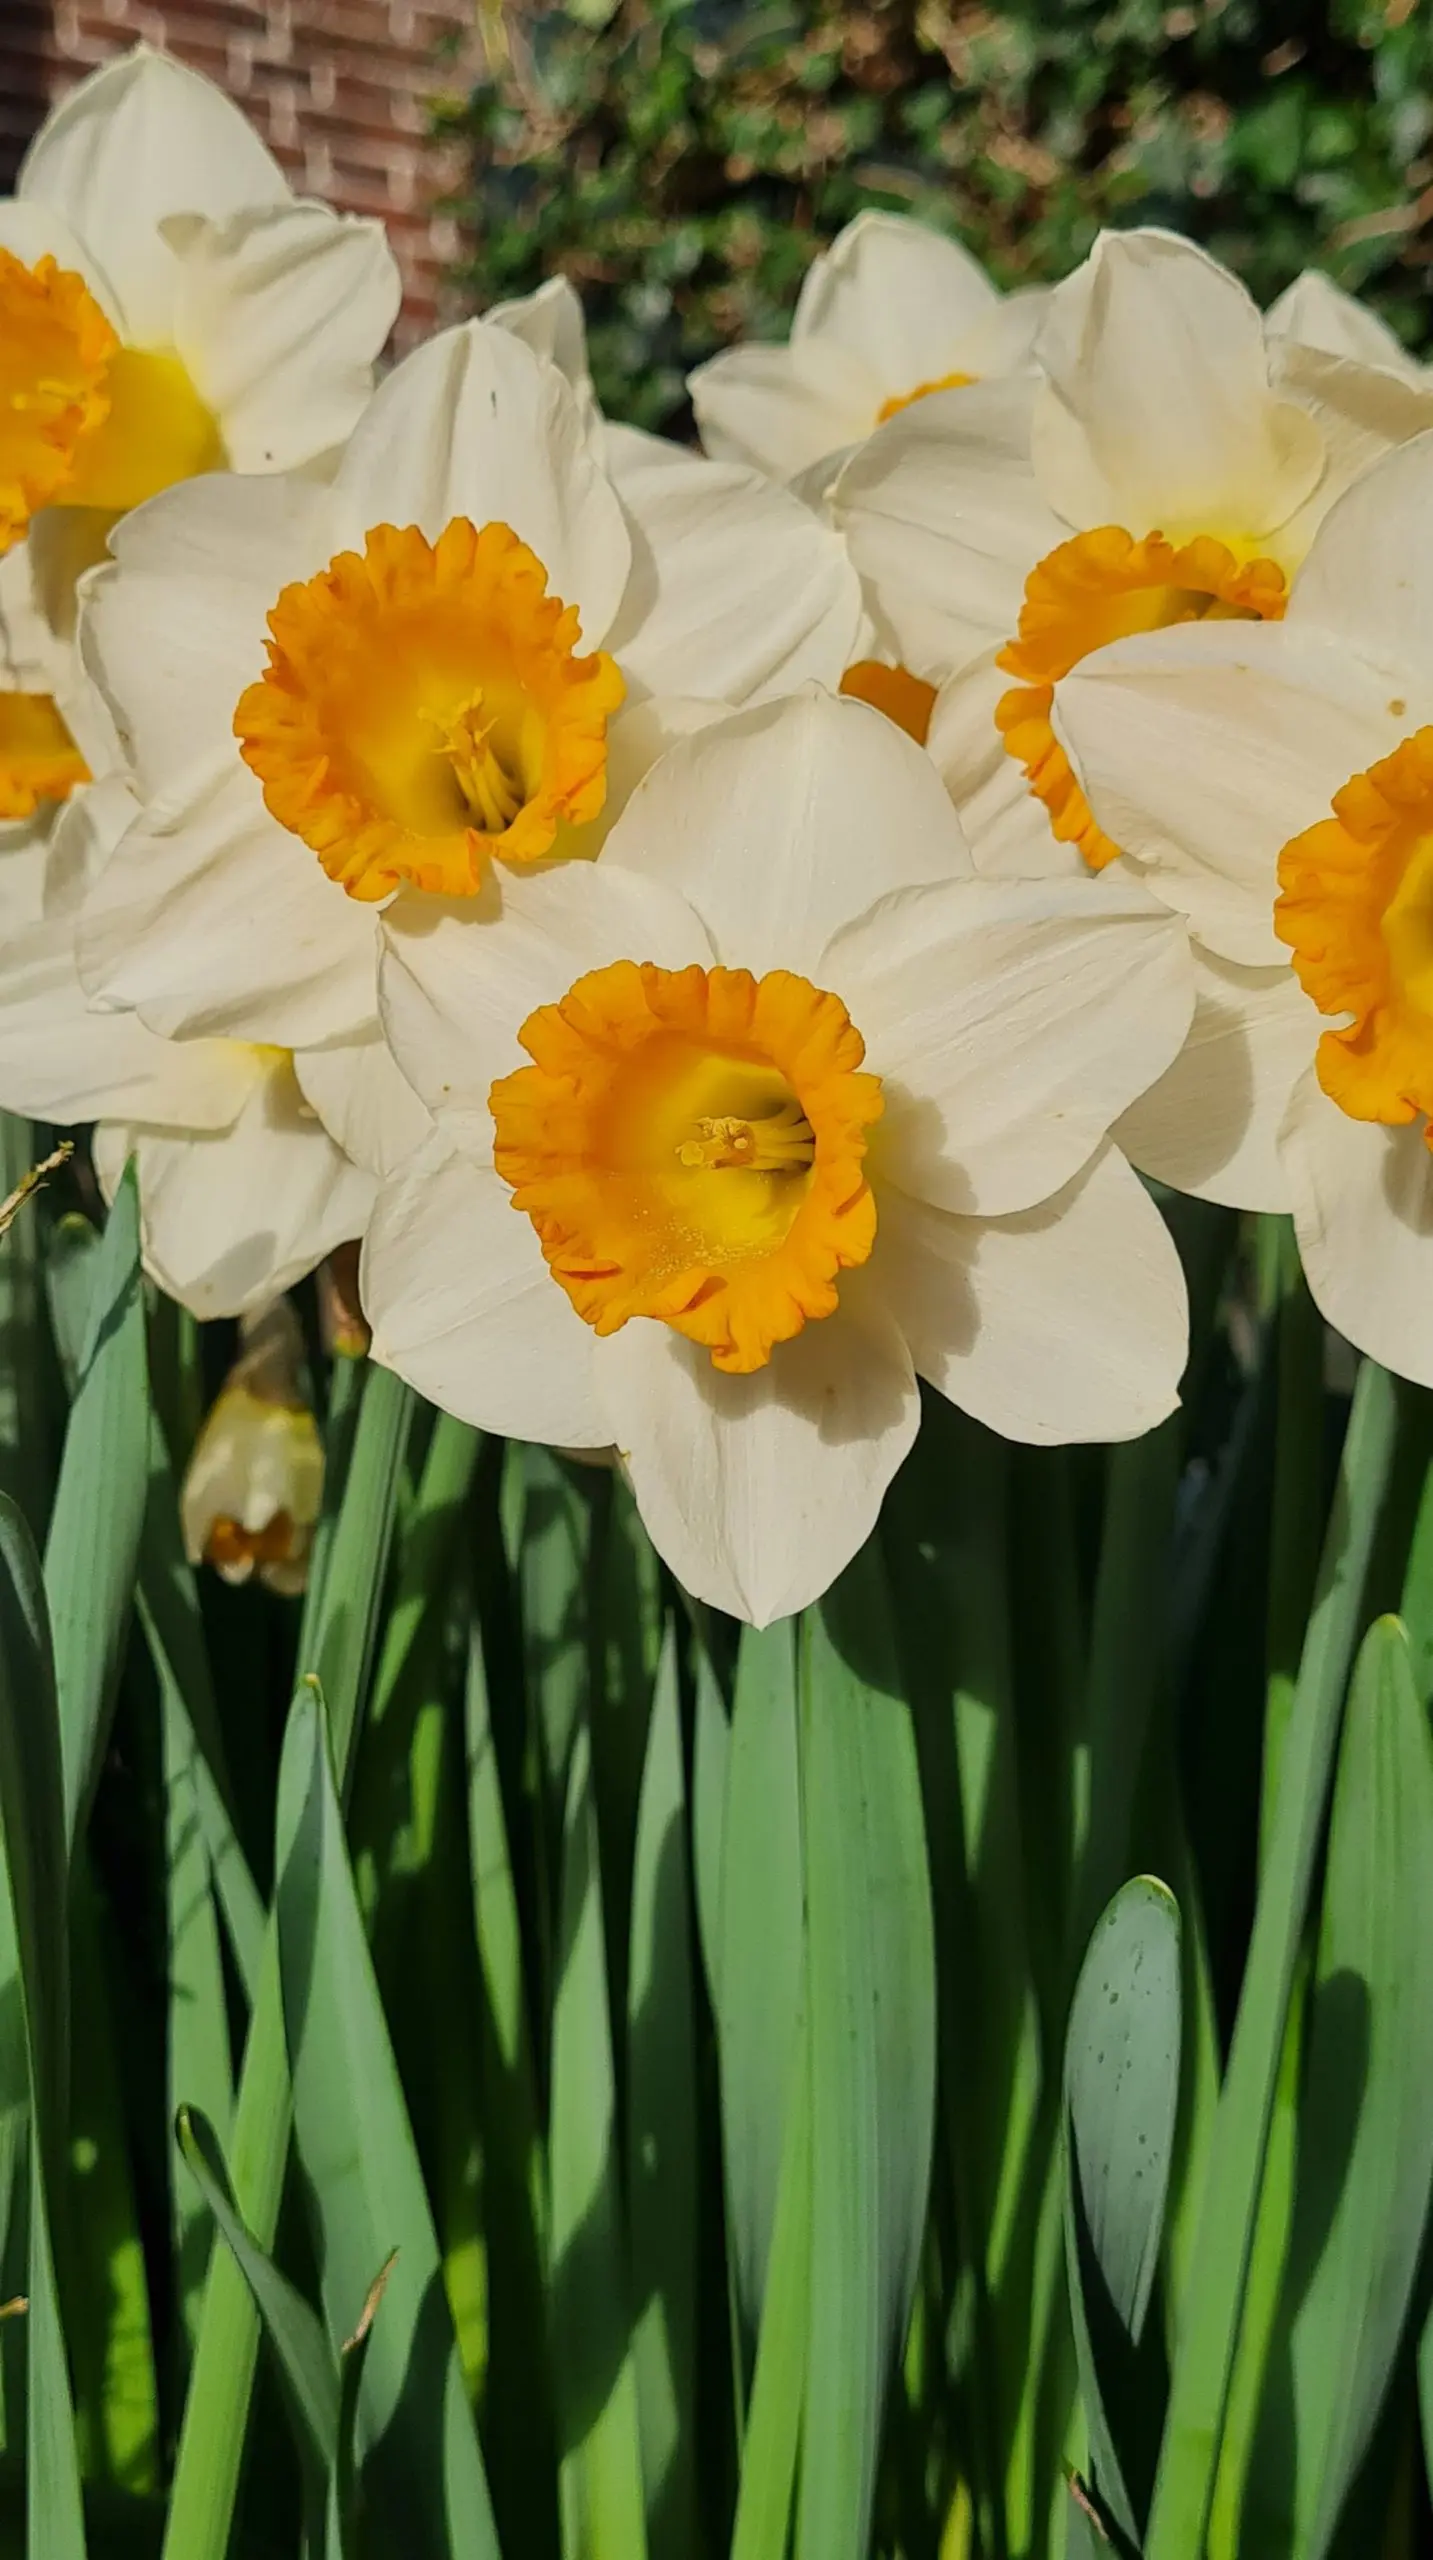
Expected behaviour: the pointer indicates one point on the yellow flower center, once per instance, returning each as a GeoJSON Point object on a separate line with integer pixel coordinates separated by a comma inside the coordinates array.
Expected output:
{"type": "Point", "coordinates": [1101, 587]}
{"type": "Point", "coordinates": [84, 421]}
{"type": "Point", "coordinates": [905, 399]}
{"type": "Point", "coordinates": [38, 758]}
{"type": "Point", "coordinates": [424, 708]}
{"type": "Point", "coordinates": [904, 698]}
{"type": "Point", "coordinates": [689, 1145]}
{"type": "Point", "coordinates": [1356, 909]}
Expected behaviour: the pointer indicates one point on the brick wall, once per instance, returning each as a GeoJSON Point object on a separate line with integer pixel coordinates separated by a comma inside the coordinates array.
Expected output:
{"type": "Point", "coordinates": [337, 88]}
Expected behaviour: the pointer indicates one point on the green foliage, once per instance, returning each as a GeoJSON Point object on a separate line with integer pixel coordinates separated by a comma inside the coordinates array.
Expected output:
{"type": "Point", "coordinates": [683, 160]}
{"type": "Point", "coordinates": [581, 2081]}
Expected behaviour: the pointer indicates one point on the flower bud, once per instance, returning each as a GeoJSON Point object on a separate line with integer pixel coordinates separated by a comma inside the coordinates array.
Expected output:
{"type": "Point", "coordinates": [253, 1486]}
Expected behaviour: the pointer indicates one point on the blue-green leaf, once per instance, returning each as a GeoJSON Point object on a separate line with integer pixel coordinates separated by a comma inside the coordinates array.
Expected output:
{"type": "Point", "coordinates": [1122, 2056]}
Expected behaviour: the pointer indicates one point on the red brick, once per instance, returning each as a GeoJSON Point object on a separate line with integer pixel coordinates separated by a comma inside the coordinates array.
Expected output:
{"type": "Point", "coordinates": [337, 88]}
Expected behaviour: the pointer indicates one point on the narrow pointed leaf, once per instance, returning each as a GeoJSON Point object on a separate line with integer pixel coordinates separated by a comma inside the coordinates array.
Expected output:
{"type": "Point", "coordinates": [773, 2425]}
{"type": "Point", "coordinates": [1122, 2054]}
{"type": "Point", "coordinates": [93, 1541]}
{"type": "Point", "coordinates": [294, 2331]}
{"type": "Point", "coordinates": [760, 1989]}
{"type": "Point", "coordinates": [362, 2173]}
{"type": "Point", "coordinates": [1199, 2390]}
{"type": "Point", "coordinates": [593, 2369]}
{"type": "Point", "coordinates": [370, 1417]}
{"type": "Point", "coordinates": [871, 2012]}
{"type": "Point", "coordinates": [662, 2131]}
{"type": "Point", "coordinates": [1365, 2144]}
{"type": "Point", "coordinates": [32, 1834]}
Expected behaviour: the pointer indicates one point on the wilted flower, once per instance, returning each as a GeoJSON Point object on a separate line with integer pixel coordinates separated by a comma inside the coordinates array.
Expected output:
{"type": "Point", "coordinates": [254, 1484]}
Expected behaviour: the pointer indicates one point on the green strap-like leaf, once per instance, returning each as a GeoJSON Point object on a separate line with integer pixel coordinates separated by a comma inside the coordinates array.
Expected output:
{"type": "Point", "coordinates": [93, 1541]}
{"type": "Point", "coordinates": [778, 2391]}
{"type": "Point", "coordinates": [1365, 2123]}
{"type": "Point", "coordinates": [761, 1958]}
{"type": "Point", "coordinates": [1189, 2455]}
{"type": "Point", "coordinates": [361, 2171]}
{"type": "Point", "coordinates": [871, 2022]}
{"type": "Point", "coordinates": [1122, 2053]}
{"type": "Point", "coordinates": [360, 1497]}
{"type": "Point", "coordinates": [662, 2202]}
{"type": "Point", "coordinates": [36, 2039]}
{"type": "Point", "coordinates": [294, 2331]}
{"type": "Point", "coordinates": [603, 2515]}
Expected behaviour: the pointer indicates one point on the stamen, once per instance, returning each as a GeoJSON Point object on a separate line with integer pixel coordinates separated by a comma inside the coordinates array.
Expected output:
{"type": "Point", "coordinates": [784, 1142]}
{"type": "Point", "coordinates": [490, 791]}
{"type": "Point", "coordinates": [424, 707]}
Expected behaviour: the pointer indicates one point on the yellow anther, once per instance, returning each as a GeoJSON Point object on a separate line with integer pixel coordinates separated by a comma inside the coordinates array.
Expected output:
{"type": "Point", "coordinates": [783, 1142]}
{"type": "Point", "coordinates": [483, 779]}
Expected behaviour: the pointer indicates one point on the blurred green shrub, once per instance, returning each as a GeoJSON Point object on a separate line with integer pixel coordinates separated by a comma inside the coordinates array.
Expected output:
{"type": "Point", "coordinates": [683, 160]}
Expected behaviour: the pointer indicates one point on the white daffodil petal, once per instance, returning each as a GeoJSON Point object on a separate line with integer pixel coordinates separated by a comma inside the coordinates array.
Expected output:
{"type": "Point", "coordinates": [59, 1060]}
{"type": "Point", "coordinates": [782, 410]}
{"type": "Point", "coordinates": [365, 1102]}
{"type": "Point", "coordinates": [549, 320]}
{"type": "Point", "coordinates": [1010, 1022]}
{"type": "Point", "coordinates": [1312, 312]}
{"type": "Point", "coordinates": [140, 140]}
{"type": "Point", "coordinates": [758, 1490]}
{"type": "Point", "coordinates": [463, 1306]}
{"type": "Point", "coordinates": [1067, 1323]}
{"type": "Point", "coordinates": [1203, 749]}
{"type": "Point", "coordinates": [945, 520]}
{"type": "Point", "coordinates": [1368, 581]}
{"type": "Point", "coordinates": [174, 632]}
{"type": "Point", "coordinates": [210, 918]}
{"type": "Point", "coordinates": [737, 589]}
{"type": "Point", "coordinates": [1362, 412]}
{"type": "Point", "coordinates": [474, 424]}
{"type": "Point", "coordinates": [1157, 410]}
{"type": "Point", "coordinates": [897, 296]}
{"type": "Point", "coordinates": [1003, 339]}
{"type": "Point", "coordinates": [780, 824]}
{"type": "Point", "coordinates": [1210, 1126]}
{"type": "Point", "coordinates": [459, 978]}
{"type": "Point", "coordinates": [280, 315]}
{"type": "Point", "coordinates": [1363, 1213]}
{"type": "Point", "coordinates": [637, 736]}
{"type": "Point", "coordinates": [229, 1221]}
{"type": "Point", "coordinates": [1007, 828]}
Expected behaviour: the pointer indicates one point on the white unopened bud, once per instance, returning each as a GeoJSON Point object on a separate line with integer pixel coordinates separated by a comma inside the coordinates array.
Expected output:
{"type": "Point", "coordinates": [253, 1487]}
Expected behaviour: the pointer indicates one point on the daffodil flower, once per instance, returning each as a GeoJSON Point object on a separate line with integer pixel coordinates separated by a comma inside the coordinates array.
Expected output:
{"type": "Point", "coordinates": [773, 1110]}
{"type": "Point", "coordinates": [242, 1190]}
{"type": "Point", "coordinates": [1274, 785]}
{"type": "Point", "coordinates": [1170, 465]}
{"type": "Point", "coordinates": [254, 1483]}
{"type": "Point", "coordinates": [166, 308]}
{"type": "Point", "coordinates": [336, 696]}
{"type": "Point", "coordinates": [890, 313]}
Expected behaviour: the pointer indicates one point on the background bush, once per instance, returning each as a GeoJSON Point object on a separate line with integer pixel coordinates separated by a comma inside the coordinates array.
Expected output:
{"type": "Point", "coordinates": [683, 160]}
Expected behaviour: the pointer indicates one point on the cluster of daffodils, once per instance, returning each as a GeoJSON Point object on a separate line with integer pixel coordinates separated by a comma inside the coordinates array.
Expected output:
{"type": "Point", "coordinates": [728, 931]}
